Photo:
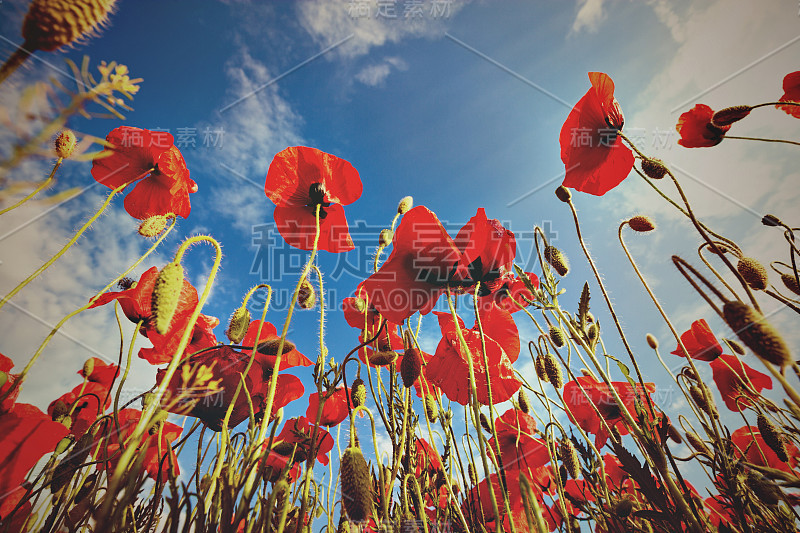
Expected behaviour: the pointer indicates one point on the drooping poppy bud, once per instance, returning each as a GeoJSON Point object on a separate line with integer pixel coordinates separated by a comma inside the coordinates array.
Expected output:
{"type": "Point", "coordinates": [356, 485]}
{"type": "Point", "coordinates": [166, 295]}
{"type": "Point", "coordinates": [753, 273]}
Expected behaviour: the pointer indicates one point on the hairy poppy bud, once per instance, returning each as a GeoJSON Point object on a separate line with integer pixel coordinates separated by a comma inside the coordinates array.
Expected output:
{"type": "Point", "coordinates": [358, 392]}
{"type": "Point", "coordinates": [557, 260]}
{"type": "Point", "coordinates": [772, 437]}
{"type": "Point", "coordinates": [356, 485]}
{"type": "Point", "coordinates": [592, 331]}
{"type": "Point", "coordinates": [569, 457]}
{"type": "Point", "coordinates": [238, 324]}
{"type": "Point", "coordinates": [563, 194]}
{"type": "Point", "coordinates": [652, 342]}
{"type": "Point", "coordinates": [735, 346]}
{"type": "Point", "coordinates": [764, 489]}
{"type": "Point", "coordinates": [60, 410]}
{"type": "Point", "coordinates": [623, 507]}
{"type": "Point", "coordinates": [729, 115]}
{"type": "Point", "coordinates": [654, 168]}
{"type": "Point", "coordinates": [473, 475]}
{"type": "Point", "coordinates": [382, 358]}
{"type": "Point", "coordinates": [756, 333]}
{"type": "Point", "coordinates": [410, 366]}
{"type": "Point", "coordinates": [553, 370]}
{"type": "Point", "coordinates": [270, 347]}
{"type": "Point", "coordinates": [524, 402]}
{"type": "Point", "coordinates": [753, 273]}
{"type": "Point", "coordinates": [306, 296]}
{"type": "Point", "coordinates": [152, 226]}
{"type": "Point", "coordinates": [50, 24]}
{"type": "Point", "coordinates": [642, 224]}
{"type": "Point", "coordinates": [557, 336]}
{"type": "Point", "coordinates": [65, 144]}
{"type": "Point", "coordinates": [771, 220]}
{"type": "Point", "coordinates": [485, 423]}
{"type": "Point", "coordinates": [166, 295]}
{"type": "Point", "coordinates": [405, 205]}
{"type": "Point", "coordinates": [790, 282]}
{"type": "Point", "coordinates": [431, 407]}
{"type": "Point", "coordinates": [385, 238]}
{"type": "Point", "coordinates": [697, 443]}
{"type": "Point", "coordinates": [697, 395]}
{"type": "Point", "coordinates": [541, 373]}
{"type": "Point", "coordinates": [88, 368]}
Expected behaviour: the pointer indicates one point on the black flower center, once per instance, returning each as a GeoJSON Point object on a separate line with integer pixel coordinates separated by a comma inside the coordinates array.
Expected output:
{"type": "Point", "coordinates": [316, 196]}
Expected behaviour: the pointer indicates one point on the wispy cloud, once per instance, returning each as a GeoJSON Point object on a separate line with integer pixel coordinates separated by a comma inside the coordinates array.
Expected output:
{"type": "Point", "coordinates": [376, 74]}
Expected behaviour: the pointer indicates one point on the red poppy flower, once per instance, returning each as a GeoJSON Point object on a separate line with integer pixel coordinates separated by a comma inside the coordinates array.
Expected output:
{"type": "Point", "coordinates": [478, 504]}
{"type": "Point", "coordinates": [296, 436]}
{"type": "Point", "coordinates": [696, 130]}
{"type": "Point", "coordinates": [92, 398]}
{"type": "Point", "coordinates": [509, 292]}
{"type": "Point", "coordinates": [155, 447]}
{"type": "Point", "coordinates": [720, 512]}
{"type": "Point", "coordinates": [449, 368]}
{"type": "Point", "coordinates": [335, 409]}
{"type": "Point", "coordinates": [700, 342]}
{"type": "Point", "coordinates": [519, 450]}
{"type": "Point", "coordinates": [26, 434]}
{"type": "Point", "coordinates": [267, 346]}
{"type": "Point", "coordinates": [226, 366]}
{"type": "Point", "coordinates": [755, 450]}
{"type": "Point", "coordinates": [791, 93]}
{"type": "Point", "coordinates": [593, 154]}
{"type": "Point", "coordinates": [582, 413]}
{"type": "Point", "coordinates": [8, 502]}
{"type": "Point", "coordinates": [165, 346]}
{"type": "Point", "coordinates": [736, 381]}
{"type": "Point", "coordinates": [7, 403]}
{"type": "Point", "coordinates": [424, 260]}
{"type": "Point", "coordinates": [426, 459]}
{"type": "Point", "coordinates": [487, 248]}
{"type": "Point", "coordinates": [299, 179]}
{"type": "Point", "coordinates": [277, 463]}
{"type": "Point", "coordinates": [150, 158]}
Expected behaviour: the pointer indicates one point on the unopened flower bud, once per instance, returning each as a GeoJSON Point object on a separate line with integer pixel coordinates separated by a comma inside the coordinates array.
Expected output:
{"type": "Point", "coordinates": [735, 346]}
{"type": "Point", "coordinates": [642, 224]}
{"type": "Point", "coordinates": [756, 333]}
{"type": "Point", "coordinates": [60, 410]}
{"type": "Point", "coordinates": [557, 260]}
{"type": "Point", "coordinates": [88, 368]}
{"type": "Point", "coordinates": [790, 282]}
{"type": "Point", "coordinates": [238, 324]}
{"type": "Point", "coordinates": [473, 475]}
{"type": "Point", "coordinates": [410, 366]}
{"type": "Point", "coordinates": [569, 457]}
{"type": "Point", "coordinates": [553, 370]}
{"type": "Point", "coordinates": [356, 485]}
{"type": "Point", "coordinates": [563, 194]}
{"type": "Point", "coordinates": [557, 336]}
{"type": "Point", "coordinates": [50, 24]}
{"type": "Point", "coordinates": [166, 295]}
{"type": "Point", "coordinates": [654, 168]}
{"type": "Point", "coordinates": [306, 296]}
{"type": "Point", "coordinates": [65, 144]}
{"type": "Point", "coordinates": [729, 115]}
{"type": "Point", "coordinates": [524, 402]}
{"type": "Point", "coordinates": [270, 347]}
{"type": "Point", "coordinates": [772, 437]}
{"type": "Point", "coordinates": [592, 331]}
{"type": "Point", "coordinates": [753, 273]}
{"type": "Point", "coordinates": [405, 204]}
{"type": "Point", "coordinates": [541, 373]}
{"type": "Point", "coordinates": [431, 407]}
{"type": "Point", "coordinates": [623, 507]}
{"type": "Point", "coordinates": [697, 443]}
{"type": "Point", "coordinates": [771, 220]}
{"type": "Point", "coordinates": [485, 423]}
{"type": "Point", "coordinates": [152, 226]}
{"type": "Point", "coordinates": [360, 304]}
{"type": "Point", "coordinates": [385, 238]}
{"type": "Point", "coordinates": [763, 488]}
{"type": "Point", "coordinates": [382, 358]}
{"type": "Point", "coordinates": [697, 395]}
{"type": "Point", "coordinates": [652, 342]}
{"type": "Point", "coordinates": [358, 392]}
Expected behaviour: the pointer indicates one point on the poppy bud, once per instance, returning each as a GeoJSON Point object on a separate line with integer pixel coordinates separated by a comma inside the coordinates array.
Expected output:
{"type": "Point", "coordinates": [729, 115]}
{"type": "Point", "coordinates": [652, 342]}
{"type": "Point", "coordinates": [405, 204]}
{"type": "Point", "coordinates": [238, 324]}
{"type": "Point", "coordinates": [485, 423]}
{"type": "Point", "coordinates": [473, 475]}
{"type": "Point", "coordinates": [86, 488]}
{"type": "Point", "coordinates": [166, 295]}
{"type": "Point", "coordinates": [431, 408]}
{"type": "Point", "coordinates": [65, 144]}
{"type": "Point", "coordinates": [654, 168]}
{"type": "Point", "coordinates": [756, 333]}
{"type": "Point", "coordinates": [360, 305]}
{"type": "Point", "coordinates": [541, 373]}
{"type": "Point", "coordinates": [152, 226]}
{"type": "Point", "coordinates": [764, 489]}
{"type": "Point", "coordinates": [563, 194]}
{"type": "Point", "coordinates": [524, 402]}
{"type": "Point", "coordinates": [270, 347]}
{"type": "Point", "coordinates": [592, 332]}
{"type": "Point", "coordinates": [51, 24]}
{"type": "Point", "coordinates": [358, 392]}
{"type": "Point", "coordinates": [735, 346]}
{"type": "Point", "coordinates": [753, 273]}
{"type": "Point", "coordinates": [623, 507]}
{"type": "Point", "coordinates": [385, 238]}
{"type": "Point", "coordinates": [697, 443]}
{"type": "Point", "coordinates": [557, 336]}
{"type": "Point", "coordinates": [557, 260]}
{"type": "Point", "coordinates": [356, 485]}
{"type": "Point", "coordinates": [410, 366]}
{"type": "Point", "coordinates": [642, 224]}
{"type": "Point", "coordinates": [569, 457]}
{"type": "Point", "coordinates": [306, 296]}
{"type": "Point", "coordinates": [772, 437]}
{"type": "Point", "coordinates": [673, 433]}
{"type": "Point", "coordinates": [553, 370]}
{"type": "Point", "coordinates": [563, 474]}
{"type": "Point", "coordinates": [60, 410]}
{"type": "Point", "coordinates": [790, 281]}
{"type": "Point", "coordinates": [588, 373]}
{"type": "Point", "coordinates": [382, 358]}
{"type": "Point", "coordinates": [88, 368]}
{"type": "Point", "coordinates": [697, 395]}
{"type": "Point", "coordinates": [771, 220]}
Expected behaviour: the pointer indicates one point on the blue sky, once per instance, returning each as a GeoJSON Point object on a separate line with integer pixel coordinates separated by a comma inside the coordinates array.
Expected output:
{"type": "Point", "coordinates": [459, 107]}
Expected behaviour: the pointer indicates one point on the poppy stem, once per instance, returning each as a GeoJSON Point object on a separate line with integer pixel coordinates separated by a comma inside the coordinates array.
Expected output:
{"type": "Point", "coordinates": [38, 189]}
{"type": "Point", "coordinates": [762, 139]}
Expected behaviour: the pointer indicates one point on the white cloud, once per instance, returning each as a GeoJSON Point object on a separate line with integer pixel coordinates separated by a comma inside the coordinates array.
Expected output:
{"type": "Point", "coordinates": [590, 15]}
{"type": "Point", "coordinates": [376, 74]}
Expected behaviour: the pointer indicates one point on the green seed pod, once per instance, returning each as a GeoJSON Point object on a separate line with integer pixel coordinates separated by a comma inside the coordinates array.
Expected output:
{"type": "Point", "coordinates": [358, 392]}
{"type": "Point", "coordinates": [166, 295]}
{"type": "Point", "coordinates": [152, 226]}
{"type": "Point", "coordinates": [431, 407]}
{"type": "Point", "coordinates": [557, 260]}
{"type": "Point", "coordinates": [238, 324]}
{"type": "Point", "coordinates": [756, 333]}
{"type": "Point", "coordinates": [3, 379]}
{"type": "Point", "coordinates": [563, 194]}
{"type": "Point", "coordinates": [88, 367]}
{"type": "Point", "coordinates": [385, 238]}
{"type": "Point", "coordinates": [557, 336]}
{"type": "Point", "coordinates": [753, 273]}
{"type": "Point", "coordinates": [772, 436]}
{"type": "Point", "coordinates": [356, 485]}
{"type": "Point", "coordinates": [405, 204]}
{"type": "Point", "coordinates": [64, 444]}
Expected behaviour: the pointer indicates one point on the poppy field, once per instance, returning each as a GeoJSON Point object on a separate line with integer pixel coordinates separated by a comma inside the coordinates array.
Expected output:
{"type": "Point", "coordinates": [541, 416]}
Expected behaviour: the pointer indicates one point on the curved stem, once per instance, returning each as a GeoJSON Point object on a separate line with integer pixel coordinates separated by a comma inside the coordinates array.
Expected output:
{"type": "Point", "coordinates": [784, 141]}
{"type": "Point", "coordinates": [38, 189]}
